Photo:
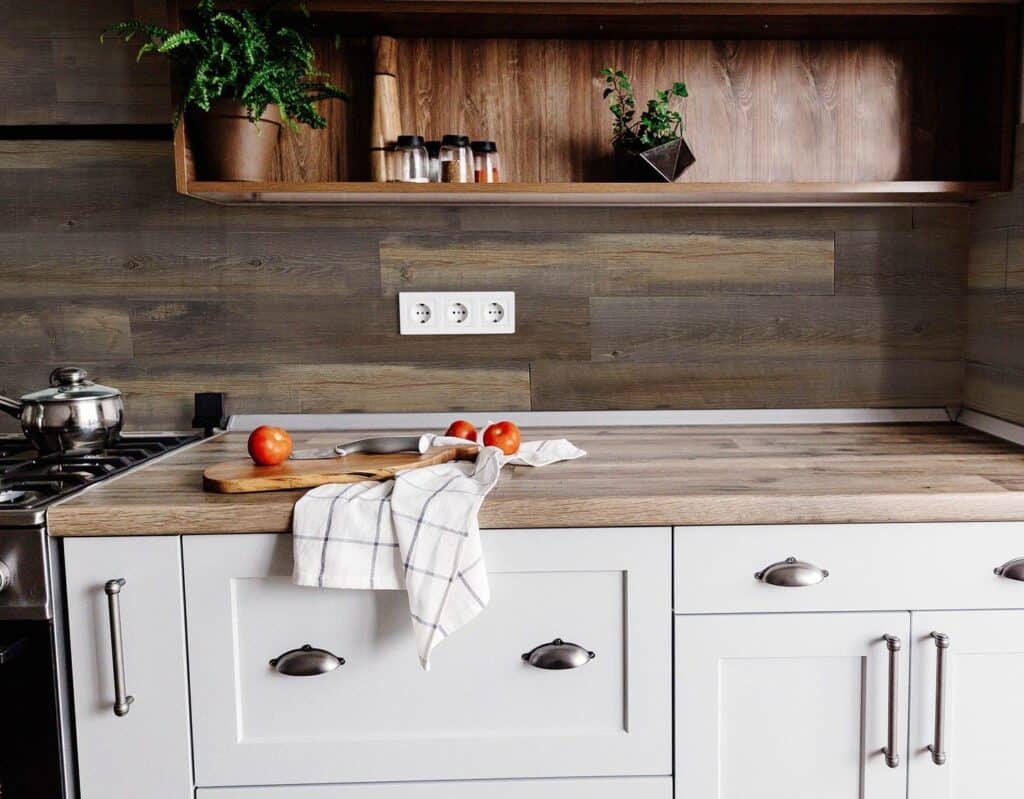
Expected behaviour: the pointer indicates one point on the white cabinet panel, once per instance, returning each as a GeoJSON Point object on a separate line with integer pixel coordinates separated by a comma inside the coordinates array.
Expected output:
{"type": "Point", "coordinates": [602, 788]}
{"type": "Point", "coordinates": [871, 567]}
{"type": "Point", "coordinates": [481, 712]}
{"type": "Point", "coordinates": [146, 752]}
{"type": "Point", "coordinates": [984, 737]}
{"type": "Point", "coordinates": [783, 706]}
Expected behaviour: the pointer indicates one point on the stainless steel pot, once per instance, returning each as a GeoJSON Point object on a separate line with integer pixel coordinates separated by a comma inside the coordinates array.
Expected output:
{"type": "Point", "coordinates": [73, 415]}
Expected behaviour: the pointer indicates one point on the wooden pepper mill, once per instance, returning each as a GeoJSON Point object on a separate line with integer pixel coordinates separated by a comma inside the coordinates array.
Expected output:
{"type": "Point", "coordinates": [386, 123]}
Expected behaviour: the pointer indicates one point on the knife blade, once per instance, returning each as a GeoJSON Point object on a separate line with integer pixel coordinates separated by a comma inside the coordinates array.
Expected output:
{"type": "Point", "coordinates": [377, 445]}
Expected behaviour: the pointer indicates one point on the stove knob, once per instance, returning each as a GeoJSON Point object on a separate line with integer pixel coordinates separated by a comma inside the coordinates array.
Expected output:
{"type": "Point", "coordinates": [5, 576]}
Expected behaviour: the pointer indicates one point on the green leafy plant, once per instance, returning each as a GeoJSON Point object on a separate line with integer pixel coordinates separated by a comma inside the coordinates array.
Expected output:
{"type": "Point", "coordinates": [659, 124]}
{"type": "Point", "coordinates": [242, 55]}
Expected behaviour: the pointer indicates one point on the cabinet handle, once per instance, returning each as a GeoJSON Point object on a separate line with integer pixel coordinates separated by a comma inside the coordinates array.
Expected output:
{"type": "Point", "coordinates": [306, 661]}
{"type": "Point", "coordinates": [791, 573]}
{"type": "Point", "coordinates": [937, 748]}
{"type": "Point", "coordinates": [891, 751]}
{"type": "Point", "coordinates": [1011, 570]}
{"type": "Point", "coordinates": [122, 702]}
{"type": "Point", "coordinates": [558, 654]}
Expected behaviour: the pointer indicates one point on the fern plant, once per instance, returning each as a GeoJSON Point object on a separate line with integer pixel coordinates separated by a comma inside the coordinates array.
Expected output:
{"type": "Point", "coordinates": [242, 55]}
{"type": "Point", "coordinates": [659, 124]}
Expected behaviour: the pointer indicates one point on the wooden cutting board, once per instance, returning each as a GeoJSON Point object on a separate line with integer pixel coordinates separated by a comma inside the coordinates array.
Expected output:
{"type": "Point", "coordinates": [244, 476]}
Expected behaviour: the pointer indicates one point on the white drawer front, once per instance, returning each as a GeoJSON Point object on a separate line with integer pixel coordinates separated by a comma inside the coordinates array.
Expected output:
{"type": "Point", "coordinates": [871, 567]}
{"type": "Point", "coordinates": [603, 788]}
{"type": "Point", "coordinates": [481, 712]}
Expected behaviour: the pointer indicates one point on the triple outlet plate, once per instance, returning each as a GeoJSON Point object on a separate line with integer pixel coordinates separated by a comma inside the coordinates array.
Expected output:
{"type": "Point", "coordinates": [454, 313]}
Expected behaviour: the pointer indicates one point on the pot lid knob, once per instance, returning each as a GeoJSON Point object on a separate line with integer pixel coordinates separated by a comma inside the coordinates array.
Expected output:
{"type": "Point", "coordinates": [68, 376]}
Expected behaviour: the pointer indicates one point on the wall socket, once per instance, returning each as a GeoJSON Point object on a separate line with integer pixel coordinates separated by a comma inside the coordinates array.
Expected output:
{"type": "Point", "coordinates": [454, 313]}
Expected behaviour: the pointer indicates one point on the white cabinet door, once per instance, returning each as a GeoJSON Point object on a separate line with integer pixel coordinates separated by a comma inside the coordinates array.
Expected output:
{"type": "Point", "coordinates": [782, 706]}
{"type": "Point", "coordinates": [144, 753]}
{"type": "Point", "coordinates": [480, 713]}
{"type": "Point", "coordinates": [984, 705]}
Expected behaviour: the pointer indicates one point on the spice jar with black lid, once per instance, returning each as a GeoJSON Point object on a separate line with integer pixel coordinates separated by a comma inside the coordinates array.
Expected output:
{"type": "Point", "coordinates": [409, 160]}
{"type": "Point", "coordinates": [456, 160]}
{"type": "Point", "coordinates": [486, 166]}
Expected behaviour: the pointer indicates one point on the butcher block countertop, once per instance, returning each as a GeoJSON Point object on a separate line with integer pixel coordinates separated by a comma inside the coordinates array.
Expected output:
{"type": "Point", "coordinates": [633, 476]}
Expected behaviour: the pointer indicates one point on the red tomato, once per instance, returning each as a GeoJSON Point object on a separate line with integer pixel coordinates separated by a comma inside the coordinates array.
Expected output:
{"type": "Point", "coordinates": [269, 446]}
{"type": "Point", "coordinates": [460, 428]}
{"type": "Point", "coordinates": [504, 436]}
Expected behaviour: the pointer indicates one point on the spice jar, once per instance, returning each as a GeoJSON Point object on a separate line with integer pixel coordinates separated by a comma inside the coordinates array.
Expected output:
{"type": "Point", "coordinates": [456, 160]}
{"type": "Point", "coordinates": [434, 161]}
{"type": "Point", "coordinates": [486, 167]}
{"type": "Point", "coordinates": [409, 160]}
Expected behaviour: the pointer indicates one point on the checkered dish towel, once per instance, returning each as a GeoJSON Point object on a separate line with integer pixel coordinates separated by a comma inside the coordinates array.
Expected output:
{"type": "Point", "coordinates": [418, 532]}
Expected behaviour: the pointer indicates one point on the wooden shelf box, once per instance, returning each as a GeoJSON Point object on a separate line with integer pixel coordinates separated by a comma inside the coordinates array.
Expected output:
{"type": "Point", "coordinates": [790, 103]}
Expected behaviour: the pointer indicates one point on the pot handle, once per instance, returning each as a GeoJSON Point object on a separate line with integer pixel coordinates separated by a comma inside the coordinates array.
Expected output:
{"type": "Point", "coordinates": [13, 407]}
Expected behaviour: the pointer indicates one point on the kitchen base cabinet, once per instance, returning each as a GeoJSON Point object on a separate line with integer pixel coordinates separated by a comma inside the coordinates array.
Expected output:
{"type": "Point", "coordinates": [981, 733]}
{"type": "Point", "coordinates": [778, 706]}
{"type": "Point", "coordinates": [603, 788]}
{"type": "Point", "coordinates": [482, 712]}
{"type": "Point", "coordinates": [144, 751]}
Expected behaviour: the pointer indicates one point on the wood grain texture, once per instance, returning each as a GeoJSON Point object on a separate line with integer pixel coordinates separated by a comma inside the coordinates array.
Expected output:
{"type": "Point", "coordinates": [56, 72]}
{"type": "Point", "coordinates": [293, 308]}
{"type": "Point", "coordinates": [609, 264]}
{"type": "Point", "coordinates": [994, 374]}
{"type": "Point", "coordinates": [681, 475]}
{"type": "Point", "coordinates": [801, 329]}
{"type": "Point", "coordinates": [763, 383]}
{"type": "Point", "coordinates": [892, 262]}
{"type": "Point", "coordinates": [242, 476]}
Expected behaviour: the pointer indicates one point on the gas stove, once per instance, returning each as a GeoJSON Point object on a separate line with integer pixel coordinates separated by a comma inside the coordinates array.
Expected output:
{"type": "Point", "coordinates": [29, 481]}
{"type": "Point", "coordinates": [34, 753]}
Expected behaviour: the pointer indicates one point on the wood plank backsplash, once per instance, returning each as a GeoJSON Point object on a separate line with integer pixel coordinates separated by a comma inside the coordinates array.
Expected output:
{"type": "Point", "coordinates": [294, 308]}
{"type": "Point", "coordinates": [995, 332]}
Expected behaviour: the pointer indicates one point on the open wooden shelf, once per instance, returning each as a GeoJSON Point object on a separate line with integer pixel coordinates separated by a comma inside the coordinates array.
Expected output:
{"type": "Point", "coordinates": [791, 103]}
{"type": "Point", "coordinates": [579, 194]}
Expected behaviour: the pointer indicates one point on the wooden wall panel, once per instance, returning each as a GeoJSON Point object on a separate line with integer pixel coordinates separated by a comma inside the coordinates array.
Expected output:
{"type": "Point", "coordinates": [293, 308]}
{"type": "Point", "coordinates": [56, 72]}
{"type": "Point", "coordinates": [765, 110]}
{"type": "Point", "coordinates": [995, 322]}
{"type": "Point", "coordinates": [614, 264]}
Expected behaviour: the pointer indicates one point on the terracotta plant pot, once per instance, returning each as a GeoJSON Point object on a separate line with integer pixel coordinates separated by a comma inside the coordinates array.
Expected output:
{"type": "Point", "coordinates": [666, 162]}
{"type": "Point", "coordinates": [227, 146]}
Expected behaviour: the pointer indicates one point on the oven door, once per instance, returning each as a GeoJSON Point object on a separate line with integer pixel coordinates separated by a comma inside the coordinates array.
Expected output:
{"type": "Point", "coordinates": [30, 740]}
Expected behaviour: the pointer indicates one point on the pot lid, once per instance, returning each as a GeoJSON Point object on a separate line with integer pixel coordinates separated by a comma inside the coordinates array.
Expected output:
{"type": "Point", "coordinates": [69, 383]}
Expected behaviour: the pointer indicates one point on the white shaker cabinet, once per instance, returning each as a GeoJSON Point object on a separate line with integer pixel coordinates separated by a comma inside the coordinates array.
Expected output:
{"type": "Point", "coordinates": [981, 733]}
{"type": "Point", "coordinates": [141, 748]}
{"type": "Point", "coordinates": [790, 705]}
{"type": "Point", "coordinates": [481, 713]}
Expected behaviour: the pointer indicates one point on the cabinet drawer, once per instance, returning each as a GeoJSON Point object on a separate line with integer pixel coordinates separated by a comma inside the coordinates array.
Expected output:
{"type": "Point", "coordinates": [481, 712]}
{"type": "Point", "coordinates": [603, 788]}
{"type": "Point", "coordinates": [870, 566]}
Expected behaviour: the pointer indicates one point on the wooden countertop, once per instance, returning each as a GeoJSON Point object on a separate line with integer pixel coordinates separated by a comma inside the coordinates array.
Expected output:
{"type": "Point", "coordinates": [633, 476]}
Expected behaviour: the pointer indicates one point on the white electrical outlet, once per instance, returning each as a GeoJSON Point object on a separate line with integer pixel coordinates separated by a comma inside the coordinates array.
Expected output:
{"type": "Point", "coordinates": [452, 313]}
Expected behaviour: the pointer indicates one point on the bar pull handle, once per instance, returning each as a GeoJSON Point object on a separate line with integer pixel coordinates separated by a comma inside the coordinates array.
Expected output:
{"type": "Point", "coordinates": [122, 702]}
{"type": "Point", "coordinates": [937, 747]}
{"type": "Point", "coordinates": [891, 751]}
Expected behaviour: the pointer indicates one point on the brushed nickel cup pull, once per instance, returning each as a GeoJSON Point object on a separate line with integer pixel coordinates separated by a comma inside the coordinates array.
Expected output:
{"type": "Point", "coordinates": [1011, 570]}
{"type": "Point", "coordinates": [558, 655]}
{"type": "Point", "coordinates": [937, 748]}
{"type": "Point", "coordinates": [891, 752]}
{"type": "Point", "coordinates": [122, 702]}
{"type": "Point", "coordinates": [306, 661]}
{"type": "Point", "coordinates": [791, 573]}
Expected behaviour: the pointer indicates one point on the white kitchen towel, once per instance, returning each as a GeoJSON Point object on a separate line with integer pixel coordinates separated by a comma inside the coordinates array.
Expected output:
{"type": "Point", "coordinates": [419, 532]}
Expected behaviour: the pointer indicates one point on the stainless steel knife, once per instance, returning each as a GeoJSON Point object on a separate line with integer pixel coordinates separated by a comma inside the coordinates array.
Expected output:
{"type": "Point", "coordinates": [379, 445]}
